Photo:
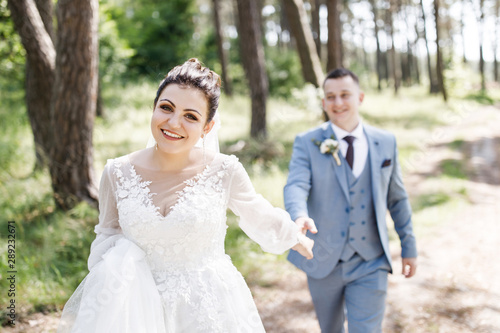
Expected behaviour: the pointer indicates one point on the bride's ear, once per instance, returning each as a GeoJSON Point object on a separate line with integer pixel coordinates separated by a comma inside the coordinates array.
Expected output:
{"type": "Point", "coordinates": [208, 127]}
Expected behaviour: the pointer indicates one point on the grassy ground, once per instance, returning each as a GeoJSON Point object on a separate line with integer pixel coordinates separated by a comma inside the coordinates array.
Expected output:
{"type": "Point", "coordinates": [52, 247]}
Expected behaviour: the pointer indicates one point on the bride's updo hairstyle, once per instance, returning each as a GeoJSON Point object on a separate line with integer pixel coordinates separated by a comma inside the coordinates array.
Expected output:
{"type": "Point", "coordinates": [193, 74]}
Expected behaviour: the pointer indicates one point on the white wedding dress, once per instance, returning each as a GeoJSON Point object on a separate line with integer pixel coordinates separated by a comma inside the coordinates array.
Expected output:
{"type": "Point", "coordinates": [158, 262]}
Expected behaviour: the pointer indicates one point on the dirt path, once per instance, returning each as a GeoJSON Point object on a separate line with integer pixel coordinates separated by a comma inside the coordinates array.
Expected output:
{"type": "Point", "coordinates": [457, 288]}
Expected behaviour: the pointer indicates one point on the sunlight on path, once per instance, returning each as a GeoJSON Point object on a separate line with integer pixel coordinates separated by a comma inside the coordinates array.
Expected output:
{"type": "Point", "coordinates": [457, 288]}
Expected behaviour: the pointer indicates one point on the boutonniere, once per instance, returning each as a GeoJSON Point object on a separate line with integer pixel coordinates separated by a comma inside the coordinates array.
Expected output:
{"type": "Point", "coordinates": [329, 146]}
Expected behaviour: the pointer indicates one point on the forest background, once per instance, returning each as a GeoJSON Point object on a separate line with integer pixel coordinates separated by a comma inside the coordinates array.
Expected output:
{"type": "Point", "coordinates": [90, 70]}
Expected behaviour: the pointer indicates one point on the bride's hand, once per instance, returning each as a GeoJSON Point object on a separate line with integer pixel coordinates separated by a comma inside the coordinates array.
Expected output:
{"type": "Point", "coordinates": [304, 246]}
{"type": "Point", "coordinates": [306, 223]}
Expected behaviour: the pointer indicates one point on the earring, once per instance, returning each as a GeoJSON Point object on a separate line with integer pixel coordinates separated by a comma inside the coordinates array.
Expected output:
{"type": "Point", "coordinates": [156, 146]}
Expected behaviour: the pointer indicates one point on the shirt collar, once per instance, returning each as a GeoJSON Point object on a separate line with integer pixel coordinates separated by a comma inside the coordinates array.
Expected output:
{"type": "Point", "coordinates": [341, 133]}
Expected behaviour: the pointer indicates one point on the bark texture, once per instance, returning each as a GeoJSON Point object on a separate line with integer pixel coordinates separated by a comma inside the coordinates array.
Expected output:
{"type": "Point", "coordinates": [297, 18]}
{"type": "Point", "coordinates": [226, 83]}
{"type": "Point", "coordinates": [61, 91]}
{"type": "Point", "coordinates": [40, 71]}
{"type": "Point", "coordinates": [252, 55]}
{"type": "Point", "coordinates": [334, 44]}
{"type": "Point", "coordinates": [74, 102]}
{"type": "Point", "coordinates": [439, 63]}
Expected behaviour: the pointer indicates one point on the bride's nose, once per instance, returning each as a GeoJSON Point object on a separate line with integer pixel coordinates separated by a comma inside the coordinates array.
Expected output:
{"type": "Point", "coordinates": [175, 120]}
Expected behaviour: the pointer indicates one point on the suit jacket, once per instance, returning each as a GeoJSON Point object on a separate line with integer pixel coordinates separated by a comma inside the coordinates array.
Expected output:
{"type": "Point", "coordinates": [317, 188]}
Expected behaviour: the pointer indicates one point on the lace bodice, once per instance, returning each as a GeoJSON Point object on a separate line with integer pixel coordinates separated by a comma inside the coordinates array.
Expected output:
{"type": "Point", "coordinates": [193, 231]}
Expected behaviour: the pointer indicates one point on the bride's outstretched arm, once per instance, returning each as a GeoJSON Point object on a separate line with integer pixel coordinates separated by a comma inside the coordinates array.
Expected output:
{"type": "Point", "coordinates": [271, 227]}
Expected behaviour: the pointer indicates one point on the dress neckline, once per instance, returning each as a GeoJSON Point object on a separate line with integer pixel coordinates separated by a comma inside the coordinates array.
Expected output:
{"type": "Point", "coordinates": [190, 183]}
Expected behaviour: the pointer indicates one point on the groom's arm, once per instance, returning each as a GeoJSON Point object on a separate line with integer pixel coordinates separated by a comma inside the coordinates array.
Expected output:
{"type": "Point", "coordinates": [400, 210]}
{"type": "Point", "coordinates": [297, 188]}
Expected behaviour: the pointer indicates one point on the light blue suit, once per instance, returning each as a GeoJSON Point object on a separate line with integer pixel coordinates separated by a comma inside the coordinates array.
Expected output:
{"type": "Point", "coordinates": [318, 188]}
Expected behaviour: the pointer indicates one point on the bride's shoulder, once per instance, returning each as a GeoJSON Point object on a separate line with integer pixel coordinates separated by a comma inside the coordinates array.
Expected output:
{"type": "Point", "coordinates": [226, 159]}
{"type": "Point", "coordinates": [123, 161]}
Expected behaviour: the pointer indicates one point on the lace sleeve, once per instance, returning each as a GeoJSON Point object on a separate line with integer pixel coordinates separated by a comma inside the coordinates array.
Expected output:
{"type": "Point", "coordinates": [269, 226]}
{"type": "Point", "coordinates": [108, 230]}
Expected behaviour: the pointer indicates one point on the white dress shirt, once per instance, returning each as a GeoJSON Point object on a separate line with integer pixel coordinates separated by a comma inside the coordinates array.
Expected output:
{"type": "Point", "coordinates": [360, 146]}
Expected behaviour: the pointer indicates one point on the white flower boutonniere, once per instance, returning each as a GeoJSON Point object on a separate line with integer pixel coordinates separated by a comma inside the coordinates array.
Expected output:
{"type": "Point", "coordinates": [329, 146]}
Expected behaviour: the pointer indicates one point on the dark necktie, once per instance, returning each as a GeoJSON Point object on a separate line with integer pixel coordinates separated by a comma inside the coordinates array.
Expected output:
{"type": "Point", "coordinates": [349, 156]}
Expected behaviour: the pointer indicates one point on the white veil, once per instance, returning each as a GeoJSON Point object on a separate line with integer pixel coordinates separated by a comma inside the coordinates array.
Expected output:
{"type": "Point", "coordinates": [211, 139]}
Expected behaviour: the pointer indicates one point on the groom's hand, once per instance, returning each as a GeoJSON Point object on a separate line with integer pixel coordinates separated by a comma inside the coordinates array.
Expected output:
{"type": "Point", "coordinates": [409, 267]}
{"type": "Point", "coordinates": [306, 223]}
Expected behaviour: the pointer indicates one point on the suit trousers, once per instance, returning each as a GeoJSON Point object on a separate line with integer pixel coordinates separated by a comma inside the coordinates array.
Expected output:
{"type": "Point", "coordinates": [355, 287]}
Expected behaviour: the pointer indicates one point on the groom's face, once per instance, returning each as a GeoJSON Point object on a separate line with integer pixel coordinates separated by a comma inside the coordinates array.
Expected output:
{"type": "Point", "coordinates": [341, 102]}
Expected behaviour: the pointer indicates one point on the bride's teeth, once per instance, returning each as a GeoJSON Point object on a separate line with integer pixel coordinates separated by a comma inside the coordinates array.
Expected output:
{"type": "Point", "coordinates": [171, 134]}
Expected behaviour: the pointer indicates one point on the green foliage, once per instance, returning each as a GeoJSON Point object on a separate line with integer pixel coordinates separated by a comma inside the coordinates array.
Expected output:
{"type": "Point", "coordinates": [11, 50]}
{"type": "Point", "coordinates": [114, 51]}
{"type": "Point", "coordinates": [284, 71]}
{"type": "Point", "coordinates": [481, 97]}
{"type": "Point", "coordinates": [14, 128]}
{"type": "Point", "coordinates": [430, 199]}
{"type": "Point", "coordinates": [160, 32]}
{"type": "Point", "coordinates": [454, 168]}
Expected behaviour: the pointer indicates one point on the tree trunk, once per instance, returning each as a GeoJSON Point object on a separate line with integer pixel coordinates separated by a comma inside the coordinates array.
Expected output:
{"type": "Point", "coordinates": [315, 5]}
{"type": "Point", "coordinates": [439, 64]}
{"type": "Point", "coordinates": [416, 61]}
{"type": "Point", "coordinates": [252, 55]}
{"type": "Point", "coordinates": [433, 86]}
{"type": "Point", "coordinates": [496, 39]}
{"type": "Point", "coordinates": [74, 102]}
{"type": "Point", "coordinates": [40, 66]}
{"type": "Point", "coordinates": [462, 34]}
{"type": "Point", "coordinates": [297, 18]}
{"type": "Point", "coordinates": [334, 44]}
{"type": "Point", "coordinates": [46, 11]}
{"type": "Point", "coordinates": [285, 29]}
{"type": "Point", "coordinates": [99, 108]}
{"type": "Point", "coordinates": [226, 83]}
{"type": "Point", "coordinates": [378, 63]}
{"type": "Point", "coordinates": [32, 82]}
{"type": "Point", "coordinates": [408, 68]}
{"type": "Point", "coordinates": [481, 33]}
{"type": "Point", "coordinates": [395, 68]}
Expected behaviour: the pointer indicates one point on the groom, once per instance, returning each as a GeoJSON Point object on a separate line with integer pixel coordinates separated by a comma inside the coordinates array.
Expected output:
{"type": "Point", "coordinates": [339, 191]}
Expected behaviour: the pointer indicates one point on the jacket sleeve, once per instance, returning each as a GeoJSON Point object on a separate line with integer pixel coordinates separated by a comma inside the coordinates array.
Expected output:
{"type": "Point", "coordinates": [269, 226]}
{"type": "Point", "coordinates": [400, 210]}
{"type": "Point", "coordinates": [298, 185]}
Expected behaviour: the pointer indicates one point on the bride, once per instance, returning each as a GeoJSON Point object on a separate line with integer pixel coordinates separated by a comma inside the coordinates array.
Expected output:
{"type": "Point", "coordinates": [158, 263]}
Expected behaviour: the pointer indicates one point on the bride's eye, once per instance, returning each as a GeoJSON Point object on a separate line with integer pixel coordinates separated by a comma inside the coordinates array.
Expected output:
{"type": "Point", "coordinates": [166, 107]}
{"type": "Point", "coordinates": [191, 116]}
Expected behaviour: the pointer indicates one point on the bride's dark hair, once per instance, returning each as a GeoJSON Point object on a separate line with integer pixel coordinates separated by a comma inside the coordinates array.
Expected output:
{"type": "Point", "coordinates": [193, 74]}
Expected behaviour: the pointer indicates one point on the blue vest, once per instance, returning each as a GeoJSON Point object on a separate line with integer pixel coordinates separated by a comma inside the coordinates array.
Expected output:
{"type": "Point", "coordinates": [362, 234]}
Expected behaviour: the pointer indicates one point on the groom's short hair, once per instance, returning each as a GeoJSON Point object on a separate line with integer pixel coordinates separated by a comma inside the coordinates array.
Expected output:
{"type": "Point", "coordinates": [340, 73]}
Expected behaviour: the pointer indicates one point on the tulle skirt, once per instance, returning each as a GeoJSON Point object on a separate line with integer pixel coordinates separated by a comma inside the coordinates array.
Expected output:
{"type": "Point", "coordinates": [118, 295]}
{"type": "Point", "coordinates": [122, 294]}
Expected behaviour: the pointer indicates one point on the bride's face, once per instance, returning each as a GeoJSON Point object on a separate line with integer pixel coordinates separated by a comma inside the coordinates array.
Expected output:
{"type": "Point", "coordinates": [180, 118]}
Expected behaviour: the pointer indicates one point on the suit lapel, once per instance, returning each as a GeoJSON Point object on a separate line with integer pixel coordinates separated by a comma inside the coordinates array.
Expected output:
{"type": "Point", "coordinates": [339, 170]}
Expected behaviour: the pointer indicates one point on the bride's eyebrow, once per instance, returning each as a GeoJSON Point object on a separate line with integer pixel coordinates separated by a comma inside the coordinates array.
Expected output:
{"type": "Point", "coordinates": [194, 111]}
{"type": "Point", "coordinates": [173, 104]}
{"type": "Point", "coordinates": [166, 99]}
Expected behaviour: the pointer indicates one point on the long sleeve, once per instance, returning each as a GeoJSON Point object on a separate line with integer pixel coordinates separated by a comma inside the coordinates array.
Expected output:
{"type": "Point", "coordinates": [108, 230]}
{"type": "Point", "coordinates": [269, 226]}
{"type": "Point", "coordinates": [298, 185]}
{"type": "Point", "coordinates": [400, 210]}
